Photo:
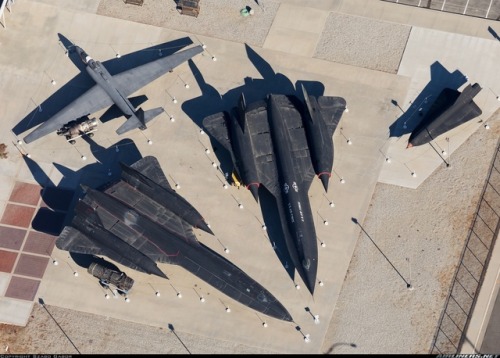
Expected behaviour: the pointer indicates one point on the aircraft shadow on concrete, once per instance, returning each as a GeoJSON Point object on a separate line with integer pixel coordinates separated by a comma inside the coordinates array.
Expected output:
{"type": "Point", "coordinates": [254, 89]}
{"type": "Point", "coordinates": [82, 81]}
{"type": "Point", "coordinates": [84, 261]}
{"type": "Point", "coordinates": [60, 199]}
{"type": "Point", "coordinates": [441, 78]}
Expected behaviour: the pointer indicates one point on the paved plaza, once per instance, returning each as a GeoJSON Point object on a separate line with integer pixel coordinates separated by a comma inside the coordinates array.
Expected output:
{"type": "Point", "coordinates": [36, 190]}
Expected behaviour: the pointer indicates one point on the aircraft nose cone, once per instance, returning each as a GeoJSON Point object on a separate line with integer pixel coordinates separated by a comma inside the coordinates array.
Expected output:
{"type": "Point", "coordinates": [288, 318]}
{"type": "Point", "coordinates": [204, 226]}
{"type": "Point", "coordinates": [310, 286]}
{"type": "Point", "coordinates": [254, 189]}
{"type": "Point", "coordinates": [155, 270]}
{"type": "Point", "coordinates": [269, 305]}
{"type": "Point", "coordinates": [324, 180]}
{"type": "Point", "coordinates": [308, 274]}
{"type": "Point", "coordinates": [281, 312]}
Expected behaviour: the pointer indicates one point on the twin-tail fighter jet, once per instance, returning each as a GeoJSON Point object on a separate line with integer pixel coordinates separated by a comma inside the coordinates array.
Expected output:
{"type": "Point", "coordinates": [140, 220]}
{"type": "Point", "coordinates": [113, 89]}
{"type": "Point", "coordinates": [281, 143]}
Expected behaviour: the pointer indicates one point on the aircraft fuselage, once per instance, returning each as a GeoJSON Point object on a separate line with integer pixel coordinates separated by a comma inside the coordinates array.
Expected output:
{"type": "Point", "coordinates": [169, 247]}
{"type": "Point", "coordinates": [103, 78]}
{"type": "Point", "coordinates": [112, 243]}
{"type": "Point", "coordinates": [280, 143]}
{"type": "Point", "coordinates": [297, 208]}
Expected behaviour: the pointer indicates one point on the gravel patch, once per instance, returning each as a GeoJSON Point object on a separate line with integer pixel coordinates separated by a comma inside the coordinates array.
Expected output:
{"type": "Point", "coordinates": [363, 42]}
{"type": "Point", "coordinates": [218, 18]}
{"type": "Point", "coordinates": [346, 39]}
{"type": "Point", "coordinates": [57, 330]}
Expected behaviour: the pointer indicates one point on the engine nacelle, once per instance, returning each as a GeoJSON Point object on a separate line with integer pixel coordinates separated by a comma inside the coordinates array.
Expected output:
{"type": "Point", "coordinates": [77, 128]}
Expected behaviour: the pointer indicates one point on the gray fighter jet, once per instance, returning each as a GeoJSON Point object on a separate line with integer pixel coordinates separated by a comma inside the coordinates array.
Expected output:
{"type": "Point", "coordinates": [114, 89]}
{"type": "Point", "coordinates": [282, 143]}
{"type": "Point", "coordinates": [140, 220]}
{"type": "Point", "coordinates": [450, 110]}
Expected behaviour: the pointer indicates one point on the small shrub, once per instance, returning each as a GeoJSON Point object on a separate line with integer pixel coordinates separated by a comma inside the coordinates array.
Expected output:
{"type": "Point", "coordinates": [3, 151]}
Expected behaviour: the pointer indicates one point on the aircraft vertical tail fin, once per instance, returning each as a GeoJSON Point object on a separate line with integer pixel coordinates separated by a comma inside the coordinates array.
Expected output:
{"type": "Point", "coordinates": [469, 93]}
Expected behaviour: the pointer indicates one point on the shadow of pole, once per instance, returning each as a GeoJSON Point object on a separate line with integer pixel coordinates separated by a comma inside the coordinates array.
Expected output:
{"type": "Point", "coordinates": [440, 156]}
{"type": "Point", "coordinates": [335, 345]}
{"type": "Point", "coordinates": [473, 345]}
{"type": "Point", "coordinates": [493, 33]}
{"type": "Point", "coordinates": [172, 329]}
{"type": "Point", "coordinates": [395, 103]}
{"type": "Point", "coordinates": [41, 302]}
{"type": "Point", "coordinates": [354, 220]}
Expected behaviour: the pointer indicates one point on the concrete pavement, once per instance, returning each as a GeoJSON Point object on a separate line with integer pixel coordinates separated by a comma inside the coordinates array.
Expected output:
{"type": "Point", "coordinates": [28, 66]}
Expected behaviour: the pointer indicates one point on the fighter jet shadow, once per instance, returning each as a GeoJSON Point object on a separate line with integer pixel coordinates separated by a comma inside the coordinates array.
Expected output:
{"type": "Point", "coordinates": [55, 201]}
{"type": "Point", "coordinates": [82, 82]}
{"type": "Point", "coordinates": [254, 89]}
{"type": "Point", "coordinates": [60, 199]}
{"type": "Point", "coordinates": [441, 78]}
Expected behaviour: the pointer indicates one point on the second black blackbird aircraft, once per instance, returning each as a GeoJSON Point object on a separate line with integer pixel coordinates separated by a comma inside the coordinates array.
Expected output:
{"type": "Point", "coordinates": [140, 220]}
{"type": "Point", "coordinates": [282, 143]}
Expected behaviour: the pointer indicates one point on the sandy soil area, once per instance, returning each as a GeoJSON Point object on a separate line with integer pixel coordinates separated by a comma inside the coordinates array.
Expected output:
{"type": "Point", "coordinates": [414, 236]}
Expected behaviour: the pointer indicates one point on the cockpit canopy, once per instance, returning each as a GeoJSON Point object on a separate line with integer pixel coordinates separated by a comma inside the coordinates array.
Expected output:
{"type": "Point", "coordinates": [84, 57]}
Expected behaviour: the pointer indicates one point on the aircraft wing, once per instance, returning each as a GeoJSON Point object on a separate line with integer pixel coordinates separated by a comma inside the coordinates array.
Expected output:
{"type": "Point", "coordinates": [263, 150]}
{"type": "Point", "coordinates": [471, 111]}
{"type": "Point", "coordinates": [217, 127]}
{"type": "Point", "coordinates": [150, 167]}
{"type": "Point", "coordinates": [146, 177]}
{"type": "Point", "coordinates": [95, 231]}
{"type": "Point", "coordinates": [331, 109]}
{"type": "Point", "coordinates": [91, 101]}
{"type": "Point", "coordinates": [73, 240]}
{"type": "Point", "coordinates": [145, 207]}
{"type": "Point", "coordinates": [299, 148]}
{"type": "Point", "coordinates": [132, 80]}
{"type": "Point", "coordinates": [459, 108]}
{"type": "Point", "coordinates": [257, 146]}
